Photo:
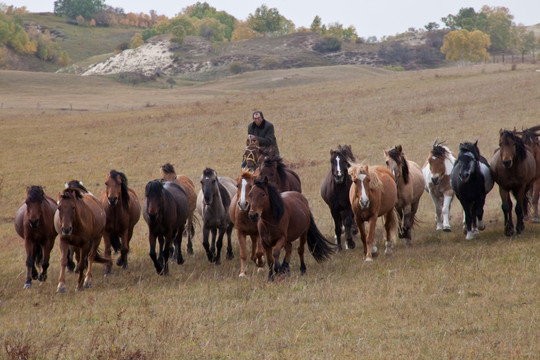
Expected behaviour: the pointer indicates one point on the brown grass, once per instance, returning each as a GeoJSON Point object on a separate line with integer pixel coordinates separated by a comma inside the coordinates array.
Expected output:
{"type": "Point", "coordinates": [442, 298]}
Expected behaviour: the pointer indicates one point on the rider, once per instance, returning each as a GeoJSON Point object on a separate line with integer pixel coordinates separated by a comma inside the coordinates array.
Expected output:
{"type": "Point", "coordinates": [263, 131]}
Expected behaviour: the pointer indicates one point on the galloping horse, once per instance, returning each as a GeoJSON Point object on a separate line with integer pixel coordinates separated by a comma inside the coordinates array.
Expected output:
{"type": "Point", "coordinates": [530, 137]}
{"type": "Point", "coordinates": [34, 222]}
{"type": "Point", "coordinates": [410, 187]}
{"type": "Point", "coordinates": [253, 157]}
{"type": "Point", "coordinates": [373, 193]}
{"type": "Point", "coordinates": [80, 220]}
{"type": "Point", "coordinates": [335, 193]}
{"type": "Point", "coordinates": [213, 203]}
{"type": "Point", "coordinates": [169, 174]}
{"type": "Point", "coordinates": [165, 211]}
{"type": "Point", "coordinates": [275, 170]}
{"type": "Point", "coordinates": [282, 218]}
{"type": "Point", "coordinates": [513, 168]}
{"type": "Point", "coordinates": [436, 173]}
{"type": "Point", "coordinates": [471, 181]}
{"type": "Point", "coordinates": [123, 211]}
{"type": "Point", "coordinates": [238, 213]}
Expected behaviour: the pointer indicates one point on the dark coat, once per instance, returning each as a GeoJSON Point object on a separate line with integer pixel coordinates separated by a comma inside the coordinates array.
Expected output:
{"type": "Point", "coordinates": [265, 135]}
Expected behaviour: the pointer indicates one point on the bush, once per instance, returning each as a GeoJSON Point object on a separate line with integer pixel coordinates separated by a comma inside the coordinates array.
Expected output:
{"type": "Point", "coordinates": [236, 67]}
{"type": "Point", "coordinates": [327, 45]}
{"type": "Point", "coordinates": [270, 63]}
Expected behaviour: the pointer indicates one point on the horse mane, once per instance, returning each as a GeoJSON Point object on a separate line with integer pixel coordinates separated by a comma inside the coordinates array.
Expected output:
{"type": "Point", "coordinates": [530, 135]}
{"type": "Point", "coordinates": [346, 152]}
{"type": "Point", "coordinates": [247, 173]}
{"type": "Point", "coordinates": [168, 168]}
{"type": "Point", "coordinates": [521, 151]}
{"type": "Point", "coordinates": [470, 147]}
{"type": "Point", "coordinates": [76, 184]}
{"type": "Point", "coordinates": [123, 186]}
{"type": "Point", "coordinates": [280, 166]}
{"type": "Point", "coordinates": [396, 154]}
{"type": "Point", "coordinates": [153, 188]}
{"type": "Point", "coordinates": [276, 201]}
{"type": "Point", "coordinates": [224, 194]}
{"type": "Point", "coordinates": [356, 168]}
{"type": "Point", "coordinates": [209, 172]}
{"type": "Point", "coordinates": [72, 193]}
{"type": "Point", "coordinates": [35, 194]}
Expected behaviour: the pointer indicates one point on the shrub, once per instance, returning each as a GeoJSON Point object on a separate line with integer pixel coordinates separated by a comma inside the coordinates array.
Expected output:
{"type": "Point", "coordinates": [327, 45]}
{"type": "Point", "coordinates": [235, 67]}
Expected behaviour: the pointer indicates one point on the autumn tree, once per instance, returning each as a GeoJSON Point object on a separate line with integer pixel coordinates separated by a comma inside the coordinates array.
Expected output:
{"type": "Point", "coordinates": [242, 32]}
{"type": "Point", "coordinates": [462, 45]}
{"type": "Point", "coordinates": [525, 41]}
{"type": "Point", "coordinates": [466, 19]}
{"type": "Point", "coordinates": [499, 28]}
{"type": "Point", "coordinates": [266, 20]}
{"type": "Point", "coordinates": [74, 8]}
{"type": "Point", "coordinates": [316, 24]}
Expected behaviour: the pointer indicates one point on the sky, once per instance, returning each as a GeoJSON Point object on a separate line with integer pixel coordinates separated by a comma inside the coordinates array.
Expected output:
{"type": "Point", "coordinates": [369, 17]}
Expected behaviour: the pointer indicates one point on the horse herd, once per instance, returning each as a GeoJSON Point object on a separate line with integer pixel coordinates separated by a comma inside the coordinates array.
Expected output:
{"type": "Point", "coordinates": [266, 203]}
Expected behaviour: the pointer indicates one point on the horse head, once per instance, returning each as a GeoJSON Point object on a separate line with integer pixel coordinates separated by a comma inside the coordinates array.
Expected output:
{"type": "Point", "coordinates": [468, 158]}
{"type": "Point", "coordinates": [252, 157]}
{"type": "Point", "coordinates": [340, 165]}
{"type": "Point", "coordinates": [244, 183]}
{"type": "Point", "coordinates": [265, 198]}
{"type": "Point", "coordinates": [154, 199]}
{"type": "Point", "coordinates": [512, 148]}
{"type": "Point", "coordinates": [440, 162]}
{"type": "Point", "coordinates": [34, 200]}
{"type": "Point", "coordinates": [397, 164]}
{"type": "Point", "coordinates": [116, 187]}
{"type": "Point", "coordinates": [366, 182]}
{"type": "Point", "coordinates": [209, 185]}
{"type": "Point", "coordinates": [168, 173]}
{"type": "Point", "coordinates": [67, 209]}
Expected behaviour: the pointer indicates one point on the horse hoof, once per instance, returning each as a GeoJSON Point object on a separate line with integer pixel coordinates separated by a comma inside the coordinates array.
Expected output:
{"type": "Point", "coordinates": [230, 256]}
{"type": "Point", "coordinates": [368, 260]}
{"type": "Point", "coordinates": [447, 229]}
{"type": "Point", "coordinates": [470, 236]}
{"type": "Point", "coordinates": [27, 285]}
{"type": "Point", "coordinates": [61, 289]}
{"type": "Point", "coordinates": [535, 219]}
{"type": "Point", "coordinates": [242, 275]}
{"type": "Point", "coordinates": [87, 285]}
{"type": "Point", "coordinates": [190, 251]}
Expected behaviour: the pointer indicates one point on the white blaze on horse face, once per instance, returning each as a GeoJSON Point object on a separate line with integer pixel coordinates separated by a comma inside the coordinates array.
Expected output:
{"type": "Point", "coordinates": [243, 192]}
{"type": "Point", "coordinates": [364, 200]}
{"type": "Point", "coordinates": [337, 166]}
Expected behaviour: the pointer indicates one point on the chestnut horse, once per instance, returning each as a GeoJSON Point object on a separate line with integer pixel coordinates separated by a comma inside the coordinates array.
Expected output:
{"type": "Point", "coordinates": [436, 171]}
{"type": "Point", "coordinates": [410, 187]}
{"type": "Point", "coordinates": [168, 173]}
{"type": "Point", "coordinates": [80, 220]}
{"type": "Point", "coordinates": [238, 213]}
{"type": "Point", "coordinates": [165, 211]}
{"type": "Point", "coordinates": [282, 218]}
{"type": "Point", "coordinates": [373, 193]}
{"type": "Point", "coordinates": [530, 138]}
{"type": "Point", "coordinates": [278, 173]}
{"type": "Point", "coordinates": [335, 193]}
{"type": "Point", "coordinates": [34, 222]}
{"type": "Point", "coordinates": [513, 168]}
{"type": "Point", "coordinates": [123, 211]}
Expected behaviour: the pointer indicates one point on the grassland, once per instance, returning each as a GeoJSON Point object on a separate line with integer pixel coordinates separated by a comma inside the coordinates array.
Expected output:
{"type": "Point", "coordinates": [441, 298]}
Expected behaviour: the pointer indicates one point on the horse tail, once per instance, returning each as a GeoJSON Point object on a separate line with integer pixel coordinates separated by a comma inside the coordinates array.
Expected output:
{"type": "Point", "coordinates": [319, 247]}
{"type": "Point", "coordinates": [38, 254]}
{"type": "Point", "coordinates": [115, 243]}
{"type": "Point", "coordinates": [100, 259]}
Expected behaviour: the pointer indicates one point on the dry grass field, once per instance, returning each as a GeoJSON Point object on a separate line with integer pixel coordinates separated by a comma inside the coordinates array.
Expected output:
{"type": "Point", "coordinates": [441, 298]}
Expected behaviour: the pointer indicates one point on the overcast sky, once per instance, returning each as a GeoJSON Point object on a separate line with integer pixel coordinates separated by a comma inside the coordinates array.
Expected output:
{"type": "Point", "coordinates": [369, 17]}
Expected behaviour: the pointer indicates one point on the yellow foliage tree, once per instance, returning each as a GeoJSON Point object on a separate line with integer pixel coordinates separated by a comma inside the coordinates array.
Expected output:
{"type": "Point", "coordinates": [242, 32]}
{"type": "Point", "coordinates": [462, 45]}
{"type": "Point", "coordinates": [136, 41]}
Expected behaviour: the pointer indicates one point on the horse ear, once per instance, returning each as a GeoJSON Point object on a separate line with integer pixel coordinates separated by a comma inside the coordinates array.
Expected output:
{"type": "Point", "coordinates": [118, 179]}
{"type": "Point", "coordinates": [265, 181]}
{"type": "Point", "coordinates": [352, 172]}
{"type": "Point", "coordinates": [385, 153]}
{"type": "Point", "coordinates": [501, 131]}
{"type": "Point", "coordinates": [399, 149]}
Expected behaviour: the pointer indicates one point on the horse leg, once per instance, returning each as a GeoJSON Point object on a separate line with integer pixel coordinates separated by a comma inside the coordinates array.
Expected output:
{"type": "Point", "coordinates": [83, 265]}
{"type": "Point", "coordinates": [270, 261]}
{"type": "Point", "coordinates": [284, 268]}
{"type": "Point", "coordinates": [190, 231]}
{"type": "Point", "coordinates": [363, 235]}
{"type": "Point", "coordinates": [206, 233]}
{"type": "Point", "coordinates": [107, 251]}
{"type": "Point", "coordinates": [401, 224]}
{"type": "Point", "coordinates": [153, 255]}
{"type": "Point", "coordinates": [468, 215]}
{"type": "Point", "coordinates": [407, 224]}
{"type": "Point", "coordinates": [46, 256]}
{"type": "Point", "coordinates": [507, 212]}
{"type": "Point", "coordinates": [124, 250]}
{"type": "Point", "coordinates": [213, 245]}
{"type": "Point", "coordinates": [534, 201]}
{"type": "Point", "coordinates": [166, 246]}
{"type": "Point", "coordinates": [219, 244]}
{"type": "Point", "coordinates": [390, 223]}
{"type": "Point", "coordinates": [179, 257]}
{"type": "Point", "coordinates": [370, 248]}
{"type": "Point", "coordinates": [70, 263]}
{"type": "Point", "coordinates": [301, 246]}
{"type": "Point", "coordinates": [480, 213]}
{"type": "Point", "coordinates": [348, 221]}
{"type": "Point", "coordinates": [447, 201]}
{"type": "Point", "coordinates": [230, 254]}
{"type": "Point", "coordinates": [520, 209]}
{"type": "Point", "coordinates": [243, 252]}
{"type": "Point", "coordinates": [438, 204]}
{"type": "Point", "coordinates": [257, 248]}
{"type": "Point", "coordinates": [336, 215]}
{"type": "Point", "coordinates": [29, 247]}
{"type": "Point", "coordinates": [64, 249]}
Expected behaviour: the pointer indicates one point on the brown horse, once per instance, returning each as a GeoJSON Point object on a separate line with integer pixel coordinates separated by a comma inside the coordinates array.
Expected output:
{"type": "Point", "coordinates": [80, 220]}
{"type": "Point", "coordinates": [410, 187]}
{"type": "Point", "coordinates": [373, 193]}
{"type": "Point", "coordinates": [238, 213]}
{"type": "Point", "coordinates": [253, 157]}
{"type": "Point", "coordinates": [278, 173]}
{"type": "Point", "coordinates": [34, 222]}
{"type": "Point", "coordinates": [513, 168]}
{"type": "Point", "coordinates": [123, 211]}
{"type": "Point", "coordinates": [282, 218]}
{"type": "Point", "coordinates": [436, 171]}
{"type": "Point", "coordinates": [168, 173]}
{"type": "Point", "coordinates": [530, 138]}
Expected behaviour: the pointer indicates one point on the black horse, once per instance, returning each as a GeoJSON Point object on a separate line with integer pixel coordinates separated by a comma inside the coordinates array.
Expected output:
{"type": "Point", "coordinates": [335, 193]}
{"type": "Point", "coordinates": [471, 181]}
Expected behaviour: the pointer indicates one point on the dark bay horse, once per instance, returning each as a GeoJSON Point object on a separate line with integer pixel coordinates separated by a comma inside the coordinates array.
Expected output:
{"type": "Point", "coordinates": [410, 187]}
{"type": "Point", "coordinates": [436, 173]}
{"type": "Point", "coordinates": [253, 157]}
{"type": "Point", "coordinates": [165, 211]}
{"type": "Point", "coordinates": [335, 193]}
{"type": "Point", "coordinates": [278, 173]}
{"type": "Point", "coordinates": [239, 215]}
{"type": "Point", "coordinates": [168, 173]}
{"type": "Point", "coordinates": [471, 181]}
{"type": "Point", "coordinates": [80, 220]}
{"type": "Point", "coordinates": [123, 211]}
{"type": "Point", "coordinates": [282, 218]}
{"type": "Point", "coordinates": [213, 202]}
{"type": "Point", "coordinates": [34, 222]}
{"type": "Point", "coordinates": [513, 168]}
{"type": "Point", "coordinates": [373, 193]}
{"type": "Point", "coordinates": [530, 138]}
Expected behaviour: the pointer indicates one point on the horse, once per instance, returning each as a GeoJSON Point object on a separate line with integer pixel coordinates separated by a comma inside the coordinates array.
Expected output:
{"type": "Point", "coordinates": [278, 173]}
{"type": "Point", "coordinates": [513, 167]}
{"type": "Point", "coordinates": [530, 138]}
{"type": "Point", "coordinates": [436, 173]}
{"type": "Point", "coordinates": [168, 173]}
{"type": "Point", "coordinates": [282, 218]}
{"type": "Point", "coordinates": [253, 157]}
{"type": "Point", "coordinates": [410, 187]}
{"type": "Point", "coordinates": [373, 194]}
{"type": "Point", "coordinates": [335, 193]}
{"type": "Point", "coordinates": [213, 202]}
{"type": "Point", "coordinates": [165, 211]}
{"type": "Point", "coordinates": [239, 215]}
{"type": "Point", "coordinates": [123, 211]}
{"type": "Point", "coordinates": [471, 181]}
{"type": "Point", "coordinates": [80, 220]}
{"type": "Point", "coordinates": [34, 222]}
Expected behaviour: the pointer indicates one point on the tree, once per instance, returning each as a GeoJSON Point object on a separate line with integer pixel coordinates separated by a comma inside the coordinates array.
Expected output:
{"type": "Point", "coordinates": [265, 20]}
{"type": "Point", "coordinates": [73, 8]}
{"type": "Point", "coordinates": [431, 26]}
{"type": "Point", "coordinates": [466, 19]}
{"type": "Point", "coordinates": [211, 29]}
{"type": "Point", "coordinates": [242, 32]}
{"type": "Point", "coordinates": [316, 24]}
{"type": "Point", "coordinates": [499, 28]}
{"type": "Point", "coordinates": [462, 45]}
{"type": "Point", "coordinates": [525, 41]}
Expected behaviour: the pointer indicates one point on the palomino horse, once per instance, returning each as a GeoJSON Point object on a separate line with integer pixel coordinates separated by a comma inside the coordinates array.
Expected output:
{"type": "Point", "coordinates": [80, 220]}
{"type": "Point", "coordinates": [34, 222]}
{"type": "Point", "coordinates": [123, 211]}
{"type": "Point", "coordinates": [373, 193]}
{"type": "Point", "coordinates": [471, 181]}
{"type": "Point", "coordinates": [410, 187]}
{"type": "Point", "coordinates": [436, 173]}
{"type": "Point", "coordinates": [239, 215]}
{"type": "Point", "coordinates": [213, 203]}
{"type": "Point", "coordinates": [530, 137]}
{"type": "Point", "coordinates": [513, 168]}
{"type": "Point", "coordinates": [165, 211]}
{"type": "Point", "coordinates": [282, 218]}
{"type": "Point", "coordinates": [169, 174]}
{"type": "Point", "coordinates": [335, 193]}
{"type": "Point", "coordinates": [284, 178]}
